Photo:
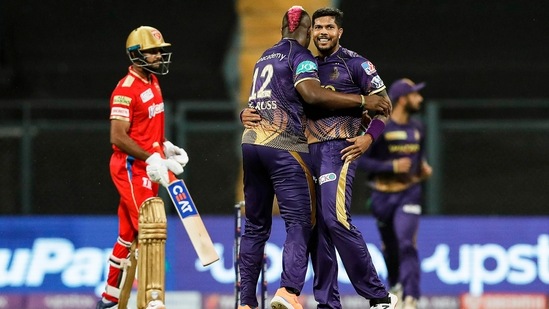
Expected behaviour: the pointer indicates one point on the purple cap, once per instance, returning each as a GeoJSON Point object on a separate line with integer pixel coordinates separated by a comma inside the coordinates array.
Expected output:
{"type": "Point", "coordinates": [403, 87]}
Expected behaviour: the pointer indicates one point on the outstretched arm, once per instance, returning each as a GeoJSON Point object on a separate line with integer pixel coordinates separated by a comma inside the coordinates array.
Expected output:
{"type": "Point", "coordinates": [373, 101]}
{"type": "Point", "coordinates": [311, 91]}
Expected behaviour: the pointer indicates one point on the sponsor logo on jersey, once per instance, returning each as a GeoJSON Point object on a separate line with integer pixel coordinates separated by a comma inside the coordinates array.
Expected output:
{"type": "Point", "coordinates": [396, 135]}
{"type": "Point", "coordinates": [156, 109]}
{"type": "Point", "coordinates": [122, 100]}
{"type": "Point", "coordinates": [146, 95]}
{"type": "Point", "coordinates": [120, 112]}
{"type": "Point", "coordinates": [326, 178]}
{"type": "Point", "coordinates": [368, 67]}
{"type": "Point", "coordinates": [306, 67]}
{"type": "Point", "coordinates": [412, 209]}
{"type": "Point", "coordinates": [404, 148]}
{"type": "Point", "coordinates": [377, 82]}
{"type": "Point", "coordinates": [280, 57]}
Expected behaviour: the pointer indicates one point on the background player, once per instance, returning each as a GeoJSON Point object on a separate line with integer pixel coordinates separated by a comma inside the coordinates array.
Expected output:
{"type": "Point", "coordinates": [334, 146]}
{"type": "Point", "coordinates": [137, 121]}
{"type": "Point", "coordinates": [396, 165]}
{"type": "Point", "coordinates": [275, 157]}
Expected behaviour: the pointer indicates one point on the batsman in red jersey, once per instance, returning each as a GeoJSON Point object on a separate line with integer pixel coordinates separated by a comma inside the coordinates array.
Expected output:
{"type": "Point", "coordinates": [137, 121]}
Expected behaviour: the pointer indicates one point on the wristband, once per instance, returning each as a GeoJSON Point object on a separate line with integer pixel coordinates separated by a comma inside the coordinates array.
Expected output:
{"type": "Point", "coordinates": [395, 166]}
{"type": "Point", "coordinates": [375, 128]}
{"type": "Point", "coordinates": [362, 101]}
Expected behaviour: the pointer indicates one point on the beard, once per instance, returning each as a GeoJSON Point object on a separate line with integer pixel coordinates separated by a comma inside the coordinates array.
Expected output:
{"type": "Point", "coordinates": [325, 47]}
{"type": "Point", "coordinates": [410, 108]}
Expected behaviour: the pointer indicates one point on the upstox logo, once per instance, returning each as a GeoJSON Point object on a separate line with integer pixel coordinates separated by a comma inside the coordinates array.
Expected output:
{"type": "Point", "coordinates": [490, 264]}
{"type": "Point", "coordinates": [306, 66]}
{"type": "Point", "coordinates": [182, 199]}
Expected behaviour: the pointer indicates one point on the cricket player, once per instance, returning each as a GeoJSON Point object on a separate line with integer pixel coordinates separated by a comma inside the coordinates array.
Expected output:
{"type": "Point", "coordinates": [137, 121]}
{"type": "Point", "coordinates": [335, 142]}
{"type": "Point", "coordinates": [396, 166]}
{"type": "Point", "coordinates": [275, 157]}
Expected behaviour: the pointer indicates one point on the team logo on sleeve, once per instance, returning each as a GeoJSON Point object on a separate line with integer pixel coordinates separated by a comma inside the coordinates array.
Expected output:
{"type": "Point", "coordinates": [368, 67]}
{"type": "Point", "coordinates": [306, 67]}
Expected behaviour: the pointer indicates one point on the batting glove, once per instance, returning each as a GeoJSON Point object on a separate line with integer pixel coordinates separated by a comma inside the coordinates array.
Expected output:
{"type": "Point", "coordinates": [158, 173]}
{"type": "Point", "coordinates": [176, 153]}
{"type": "Point", "coordinates": [157, 168]}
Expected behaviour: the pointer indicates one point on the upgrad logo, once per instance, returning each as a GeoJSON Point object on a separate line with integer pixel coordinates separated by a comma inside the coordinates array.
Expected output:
{"type": "Point", "coordinates": [477, 264]}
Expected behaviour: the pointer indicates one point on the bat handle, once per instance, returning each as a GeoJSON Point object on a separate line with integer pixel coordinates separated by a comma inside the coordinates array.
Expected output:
{"type": "Point", "coordinates": [157, 148]}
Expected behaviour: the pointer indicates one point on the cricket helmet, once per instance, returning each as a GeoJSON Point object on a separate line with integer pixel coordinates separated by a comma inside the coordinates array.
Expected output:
{"type": "Point", "coordinates": [146, 38]}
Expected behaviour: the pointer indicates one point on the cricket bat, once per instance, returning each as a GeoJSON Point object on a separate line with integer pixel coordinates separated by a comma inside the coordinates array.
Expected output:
{"type": "Point", "coordinates": [186, 209]}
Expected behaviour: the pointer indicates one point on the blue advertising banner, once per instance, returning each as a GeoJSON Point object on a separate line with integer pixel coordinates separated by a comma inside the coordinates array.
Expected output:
{"type": "Point", "coordinates": [476, 255]}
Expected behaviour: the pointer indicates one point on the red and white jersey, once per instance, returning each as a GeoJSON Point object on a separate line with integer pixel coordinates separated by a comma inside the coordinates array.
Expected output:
{"type": "Point", "coordinates": [139, 102]}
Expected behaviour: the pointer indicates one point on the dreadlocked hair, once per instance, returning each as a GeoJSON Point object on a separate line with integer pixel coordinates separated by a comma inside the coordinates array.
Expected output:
{"type": "Point", "coordinates": [294, 17]}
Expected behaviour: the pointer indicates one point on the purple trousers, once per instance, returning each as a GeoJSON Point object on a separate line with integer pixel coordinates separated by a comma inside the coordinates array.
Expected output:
{"type": "Point", "coordinates": [334, 230]}
{"type": "Point", "coordinates": [268, 172]}
{"type": "Point", "coordinates": [397, 217]}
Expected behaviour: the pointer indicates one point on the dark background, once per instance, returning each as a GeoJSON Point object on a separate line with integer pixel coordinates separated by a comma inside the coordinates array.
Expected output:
{"type": "Point", "coordinates": [76, 49]}
{"type": "Point", "coordinates": [463, 49]}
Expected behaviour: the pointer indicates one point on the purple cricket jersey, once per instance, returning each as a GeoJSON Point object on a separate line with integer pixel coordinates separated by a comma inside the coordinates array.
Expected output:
{"type": "Point", "coordinates": [276, 162]}
{"type": "Point", "coordinates": [396, 200]}
{"type": "Point", "coordinates": [397, 141]}
{"type": "Point", "coordinates": [347, 72]}
{"type": "Point", "coordinates": [276, 99]}
{"type": "Point", "coordinates": [327, 130]}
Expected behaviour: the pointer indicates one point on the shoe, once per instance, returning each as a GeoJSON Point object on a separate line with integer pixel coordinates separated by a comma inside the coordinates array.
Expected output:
{"type": "Point", "coordinates": [410, 303]}
{"type": "Point", "coordinates": [397, 290]}
{"type": "Point", "coordinates": [156, 304]}
{"type": "Point", "coordinates": [285, 300]}
{"type": "Point", "coordinates": [109, 305]}
{"type": "Point", "coordinates": [392, 305]}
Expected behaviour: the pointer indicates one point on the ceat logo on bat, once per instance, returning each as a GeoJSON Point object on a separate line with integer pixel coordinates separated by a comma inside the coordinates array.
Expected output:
{"type": "Point", "coordinates": [181, 197]}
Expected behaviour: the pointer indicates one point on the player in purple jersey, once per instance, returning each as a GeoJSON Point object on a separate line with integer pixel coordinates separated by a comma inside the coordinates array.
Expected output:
{"type": "Point", "coordinates": [275, 156]}
{"type": "Point", "coordinates": [396, 167]}
{"type": "Point", "coordinates": [335, 143]}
